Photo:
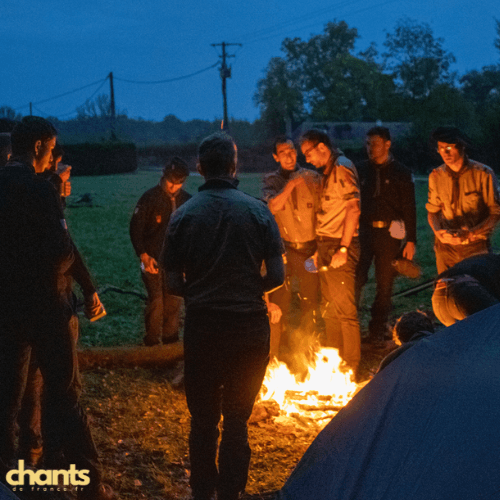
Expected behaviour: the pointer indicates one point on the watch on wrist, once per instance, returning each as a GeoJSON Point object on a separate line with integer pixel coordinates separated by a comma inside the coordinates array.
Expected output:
{"type": "Point", "coordinates": [343, 249]}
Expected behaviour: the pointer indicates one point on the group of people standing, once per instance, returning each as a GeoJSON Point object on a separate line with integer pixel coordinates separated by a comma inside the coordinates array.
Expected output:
{"type": "Point", "coordinates": [343, 218]}
{"type": "Point", "coordinates": [223, 252]}
{"type": "Point", "coordinates": [348, 217]}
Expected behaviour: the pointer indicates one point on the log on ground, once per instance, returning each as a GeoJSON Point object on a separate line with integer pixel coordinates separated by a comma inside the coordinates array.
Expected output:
{"type": "Point", "coordinates": [130, 356]}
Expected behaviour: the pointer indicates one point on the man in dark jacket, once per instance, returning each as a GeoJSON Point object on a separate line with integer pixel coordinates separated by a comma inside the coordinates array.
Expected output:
{"type": "Point", "coordinates": [216, 244]}
{"type": "Point", "coordinates": [36, 253]}
{"type": "Point", "coordinates": [387, 225]}
{"type": "Point", "coordinates": [147, 232]}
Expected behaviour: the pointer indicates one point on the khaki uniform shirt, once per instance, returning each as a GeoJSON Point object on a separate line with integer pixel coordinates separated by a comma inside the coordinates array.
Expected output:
{"type": "Point", "coordinates": [478, 195]}
{"type": "Point", "coordinates": [297, 219]}
{"type": "Point", "coordinates": [340, 186]}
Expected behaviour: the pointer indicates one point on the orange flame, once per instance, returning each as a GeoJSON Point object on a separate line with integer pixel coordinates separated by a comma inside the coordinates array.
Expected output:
{"type": "Point", "coordinates": [326, 388]}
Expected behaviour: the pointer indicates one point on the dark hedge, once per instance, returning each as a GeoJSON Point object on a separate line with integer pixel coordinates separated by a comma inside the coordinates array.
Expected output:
{"type": "Point", "coordinates": [101, 158]}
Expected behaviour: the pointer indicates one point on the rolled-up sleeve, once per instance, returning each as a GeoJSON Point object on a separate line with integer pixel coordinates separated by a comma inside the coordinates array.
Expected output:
{"type": "Point", "coordinates": [434, 203]}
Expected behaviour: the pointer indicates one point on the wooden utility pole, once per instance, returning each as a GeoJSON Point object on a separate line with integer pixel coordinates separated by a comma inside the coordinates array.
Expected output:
{"type": "Point", "coordinates": [225, 72]}
{"type": "Point", "coordinates": [112, 105]}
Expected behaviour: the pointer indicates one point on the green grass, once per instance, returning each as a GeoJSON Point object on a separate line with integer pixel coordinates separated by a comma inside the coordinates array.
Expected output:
{"type": "Point", "coordinates": [102, 235]}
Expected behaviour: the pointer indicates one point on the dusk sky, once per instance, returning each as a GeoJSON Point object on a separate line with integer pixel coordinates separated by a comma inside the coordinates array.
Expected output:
{"type": "Point", "coordinates": [52, 47]}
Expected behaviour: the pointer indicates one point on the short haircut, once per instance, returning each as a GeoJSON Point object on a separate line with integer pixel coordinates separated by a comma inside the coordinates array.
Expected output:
{"type": "Point", "coordinates": [411, 323]}
{"type": "Point", "coordinates": [281, 139]}
{"type": "Point", "coordinates": [176, 170]}
{"type": "Point", "coordinates": [216, 155]}
{"type": "Point", "coordinates": [28, 131]}
{"type": "Point", "coordinates": [381, 132]}
{"type": "Point", "coordinates": [316, 137]}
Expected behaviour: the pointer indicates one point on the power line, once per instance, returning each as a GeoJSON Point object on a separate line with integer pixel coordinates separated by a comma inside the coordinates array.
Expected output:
{"type": "Point", "coordinates": [74, 110]}
{"type": "Point", "coordinates": [278, 30]}
{"type": "Point", "coordinates": [61, 95]}
{"type": "Point", "coordinates": [168, 80]}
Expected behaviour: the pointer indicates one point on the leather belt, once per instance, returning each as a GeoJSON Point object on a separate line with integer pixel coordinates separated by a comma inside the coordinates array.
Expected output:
{"type": "Point", "coordinates": [380, 224]}
{"type": "Point", "coordinates": [297, 245]}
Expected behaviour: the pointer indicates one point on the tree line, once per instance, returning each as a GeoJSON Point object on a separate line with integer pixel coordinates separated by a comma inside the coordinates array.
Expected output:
{"type": "Point", "coordinates": [323, 79]}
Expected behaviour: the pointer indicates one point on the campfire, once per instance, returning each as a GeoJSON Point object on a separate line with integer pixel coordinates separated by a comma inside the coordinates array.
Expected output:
{"type": "Point", "coordinates": [314, 395]}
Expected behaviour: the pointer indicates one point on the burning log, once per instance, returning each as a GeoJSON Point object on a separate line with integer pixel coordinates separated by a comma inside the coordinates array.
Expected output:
{"type": "Point", "coordinates": [130, 356]}
{"type": "Point", "coordinates": [322, 408]}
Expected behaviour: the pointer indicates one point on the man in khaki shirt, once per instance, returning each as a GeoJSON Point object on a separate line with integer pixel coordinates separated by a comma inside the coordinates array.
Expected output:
{"type": "Point", "coordinates": [338, 245]}
{"type": "Point", "coordinates": [464, 202]}
{"type": "Point", "coordinates": [292, 194]}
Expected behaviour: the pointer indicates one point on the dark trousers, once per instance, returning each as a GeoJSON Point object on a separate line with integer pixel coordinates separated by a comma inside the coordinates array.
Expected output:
{"type": "Point", "coordinates": [377, 246]}
{"type": "Point", "coordinates": [308, 295]}
{"type": "Point", "coordinates": [64, 424]}
{"type": "Point", "coordinates": [339, 302]}
{"type": "Point", "coordinates": [225, 360]}
{"type": "Point", "coordinates": [30, 415]}
{"type": "Point", "coordinates": [162, 312]}
{"type": "Point", "coordinates": [456, 298]}
{"type": "Point", "coordinates": [449, 255]}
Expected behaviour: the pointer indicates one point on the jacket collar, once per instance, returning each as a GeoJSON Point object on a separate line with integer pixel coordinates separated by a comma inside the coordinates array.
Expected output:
{"type": "Point", "coordinates": [220, 183]}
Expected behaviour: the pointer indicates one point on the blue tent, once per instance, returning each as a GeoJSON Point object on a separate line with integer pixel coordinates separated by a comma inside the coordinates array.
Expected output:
{"type": "Point", "coordinates": [426, 427]}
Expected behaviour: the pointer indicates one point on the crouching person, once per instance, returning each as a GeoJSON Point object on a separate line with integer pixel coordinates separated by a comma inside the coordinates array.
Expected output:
{"type": "Point", "coordinates": [467, 288]}
{"type": "Point", "coordinates": [215, 246]}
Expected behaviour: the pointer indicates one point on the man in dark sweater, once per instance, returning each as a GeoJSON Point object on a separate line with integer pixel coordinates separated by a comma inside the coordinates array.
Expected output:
{"type": "Point", "coordinates": [387, 225]}
{"type": "Point", "coordinates": [147, 232]}
{"type": "Point", "coordinates": [466, 288]}
{"type": "Point", "coordinates": [216, 244]}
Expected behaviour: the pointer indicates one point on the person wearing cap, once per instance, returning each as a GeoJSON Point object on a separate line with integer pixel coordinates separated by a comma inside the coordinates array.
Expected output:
{"type": "Point", "coordinates": [463, 203]}
{"type": "Point", "coordinates": [337, 222]}
{"type": "Point", "coordinates": [148, 227]}
{"type": "Point", "coordinates": [292, 195]}
{"type": "Point", "coordinates": [387, 224]}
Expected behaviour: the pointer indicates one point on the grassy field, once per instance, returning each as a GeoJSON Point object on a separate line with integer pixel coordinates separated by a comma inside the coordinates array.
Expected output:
{"type": "Point", "coordinates": [140, 420]}
{"type": "Point", "coordinates": [100, 229]}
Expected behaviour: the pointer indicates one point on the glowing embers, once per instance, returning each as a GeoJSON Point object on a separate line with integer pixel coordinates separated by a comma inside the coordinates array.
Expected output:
{"type": "Point", "coordinates": [314, 396]}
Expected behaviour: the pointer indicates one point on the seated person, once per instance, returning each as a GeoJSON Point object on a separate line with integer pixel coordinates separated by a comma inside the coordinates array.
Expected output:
{"type": "Point", "coordinates": [409, 329]}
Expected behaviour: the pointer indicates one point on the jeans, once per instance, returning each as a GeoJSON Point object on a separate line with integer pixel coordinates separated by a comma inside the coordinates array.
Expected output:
{"type": "Point", "coordinates": [449, 255]}
{"type": "Point", "coordinates": [162, 312]}
{"type": "Point", "coordinates": [379, 246]}
{"type": "Point", "coordinates": [309, 300]}
{"type": "Point", "coordinates": [339, 302]}
{"type": "Point", "coordinates": [225, 360]}
{"type": "Point", "coordinates": [65, 428]}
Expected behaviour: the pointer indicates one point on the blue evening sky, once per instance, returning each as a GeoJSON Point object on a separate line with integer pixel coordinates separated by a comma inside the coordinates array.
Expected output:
{"type": "Point", "coordinates": [52, 47]}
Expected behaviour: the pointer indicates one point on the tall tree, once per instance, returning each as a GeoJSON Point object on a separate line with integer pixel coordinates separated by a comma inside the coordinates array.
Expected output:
{"type": "Point", "coordinates": [10, 114]}
{"type": "Point", "coordinates": [279, 96]}
{"type": "Point", "coordinates": [100, 107]}
{"type": "Point", "coordinates": [481, 87]}
{"type": "Point", "coordinates": [417, 59]}
{"type": "Point", "coordinates": [336, 84]}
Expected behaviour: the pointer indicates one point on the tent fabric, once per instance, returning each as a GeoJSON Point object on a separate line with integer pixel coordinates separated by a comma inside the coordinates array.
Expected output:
{"type": "Point", "coordinates": [426, 427]}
